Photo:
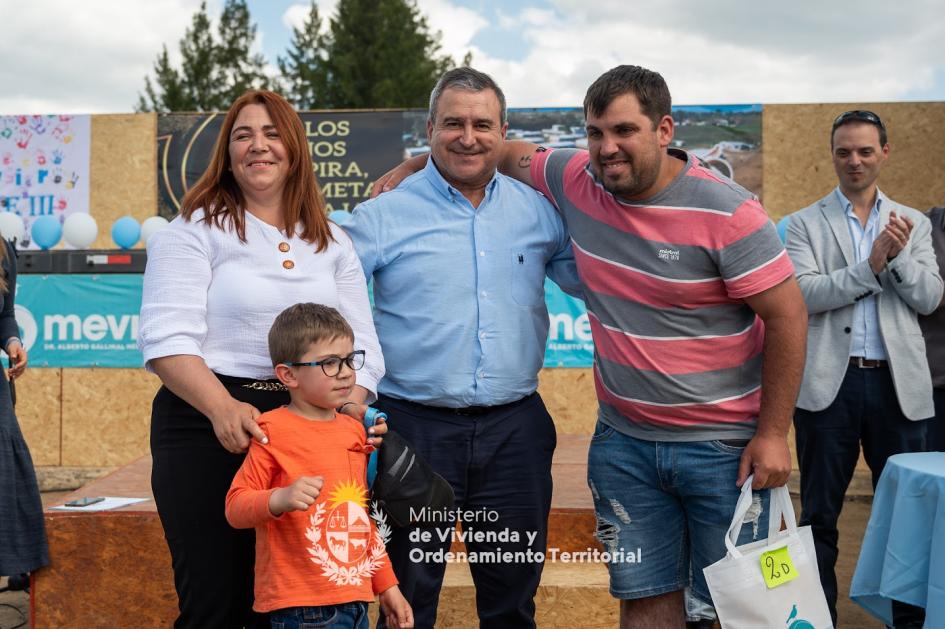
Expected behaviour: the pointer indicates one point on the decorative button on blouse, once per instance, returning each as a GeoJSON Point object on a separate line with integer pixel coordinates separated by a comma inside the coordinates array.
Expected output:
{"type": "Point", "coordinates": [283, 247]}
{"type": "Point", "coordinates": [288, 264]}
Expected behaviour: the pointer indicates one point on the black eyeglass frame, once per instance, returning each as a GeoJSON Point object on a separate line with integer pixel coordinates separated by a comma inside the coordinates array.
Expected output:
{"type": "Point", "coordinates": [347, 360]}
{"type": "Point", "coordinates": [860, 115]}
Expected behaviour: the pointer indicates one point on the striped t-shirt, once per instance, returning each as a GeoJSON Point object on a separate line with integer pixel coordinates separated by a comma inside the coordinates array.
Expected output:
{"type": "Point", "coordinates": [678, 351]}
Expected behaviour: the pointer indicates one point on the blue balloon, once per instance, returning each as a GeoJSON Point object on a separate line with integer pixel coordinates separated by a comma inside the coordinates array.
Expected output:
{"type": "Point", "coordinates": [782, 228]}
{"type": "Point", "coordinates": [340, 216]}
{"type": "Point", "coordinates": [46, 231]}
{"type": "Point", "coordinates": [125, 232]}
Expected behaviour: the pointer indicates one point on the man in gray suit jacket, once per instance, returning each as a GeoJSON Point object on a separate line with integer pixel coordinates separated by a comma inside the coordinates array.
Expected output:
{"type": "Point", "coordinates": [866, 267]}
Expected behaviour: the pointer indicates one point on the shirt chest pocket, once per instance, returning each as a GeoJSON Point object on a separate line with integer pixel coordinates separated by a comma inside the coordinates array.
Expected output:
{"type": "Point", "coordinates": [527, 276]}
{"type": "Point", "coordinates": [357, 464]}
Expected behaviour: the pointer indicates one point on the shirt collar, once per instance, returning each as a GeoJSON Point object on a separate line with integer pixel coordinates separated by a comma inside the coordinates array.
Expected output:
{"type": "Point", "coordinates": [847, 205]}
{"type": "Point", "coordinates": [432, 173]}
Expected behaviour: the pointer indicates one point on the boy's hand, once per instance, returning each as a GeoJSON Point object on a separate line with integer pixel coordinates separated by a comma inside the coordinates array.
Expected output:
{"type": "Point", "coordinates": [396, 609]}
{"type": "Point", "coordinates": [298, 496]}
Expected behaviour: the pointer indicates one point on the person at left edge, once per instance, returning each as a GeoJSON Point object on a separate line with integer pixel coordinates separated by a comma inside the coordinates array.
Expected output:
{"type": "Point", "coordinates": [459, 254]}
{"type": "Point", "coordinates": [23, 546]}
{"type": "Point", "coordinates": [252, 238]}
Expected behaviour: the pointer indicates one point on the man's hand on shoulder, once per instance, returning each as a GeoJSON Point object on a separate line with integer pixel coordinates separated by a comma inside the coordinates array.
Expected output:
{"type": "Point", "coordinates": [392, 178]}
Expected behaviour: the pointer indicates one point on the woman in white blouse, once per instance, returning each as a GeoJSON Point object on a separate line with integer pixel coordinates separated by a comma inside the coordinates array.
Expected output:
{"type": "Point", "coordinates": [252, 239]}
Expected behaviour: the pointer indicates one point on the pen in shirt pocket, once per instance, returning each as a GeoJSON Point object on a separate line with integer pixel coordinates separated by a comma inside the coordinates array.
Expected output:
{"type": "Point", "coordinates": [521, 258]}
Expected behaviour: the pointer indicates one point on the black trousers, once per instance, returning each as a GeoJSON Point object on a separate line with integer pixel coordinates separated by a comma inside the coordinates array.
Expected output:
{"type": "Point", "coordinates": [190, 475]}
{"type": "Point", "coordinates": [866, 410]}
{"type": "Point", "coordinates": [499, 464]}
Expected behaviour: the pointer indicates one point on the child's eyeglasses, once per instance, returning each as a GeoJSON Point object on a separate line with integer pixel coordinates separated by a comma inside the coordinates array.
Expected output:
{"type": "Point", "coordinates": [331, 366]}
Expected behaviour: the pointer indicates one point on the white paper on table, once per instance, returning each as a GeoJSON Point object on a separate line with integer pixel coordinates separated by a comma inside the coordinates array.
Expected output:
{"type": "Point", "coordinates": [104, 505]}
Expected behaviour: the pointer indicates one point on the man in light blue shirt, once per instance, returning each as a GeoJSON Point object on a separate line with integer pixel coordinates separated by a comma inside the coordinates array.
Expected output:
{"type": "Point", "coordinates": [459, 254]}
{"type": "Point", "coordinates": [866, 268]}
{"type": "Point", "coordinates": [867, 341]}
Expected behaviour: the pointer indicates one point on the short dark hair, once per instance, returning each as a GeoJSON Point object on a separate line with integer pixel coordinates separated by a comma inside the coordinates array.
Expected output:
{"type": "Point", "coordinates": [860, 115]}
{"type": "Point", "coordinates": [470, 80]}
{"type": "Point", "coordinates": [649, 87]}
{"type": "Point", "coordinates": [298, 326]}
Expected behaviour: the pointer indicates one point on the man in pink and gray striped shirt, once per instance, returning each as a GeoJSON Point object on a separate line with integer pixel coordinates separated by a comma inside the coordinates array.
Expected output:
{"type": "Point", "coordinates": [699, 328]}
{"type": "Point", "coordinates": [700, 332]}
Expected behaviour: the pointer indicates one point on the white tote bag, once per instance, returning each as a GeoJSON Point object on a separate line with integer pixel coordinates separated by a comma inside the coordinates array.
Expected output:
{"type": "Point", "coordinates": [739, 591]}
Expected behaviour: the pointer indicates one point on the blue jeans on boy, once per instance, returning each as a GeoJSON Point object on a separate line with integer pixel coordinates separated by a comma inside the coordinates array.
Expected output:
{"type": "Point", "coordinates": [344, 616]}
{"type": "Point", "coordinates": [663, 509]}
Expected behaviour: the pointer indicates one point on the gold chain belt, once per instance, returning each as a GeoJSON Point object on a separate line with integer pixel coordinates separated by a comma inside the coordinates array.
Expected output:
{"type": "Point", "coordinates": [265, 386]}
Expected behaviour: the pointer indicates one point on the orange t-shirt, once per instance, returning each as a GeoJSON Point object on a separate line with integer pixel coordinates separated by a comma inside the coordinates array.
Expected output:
{"type": "Point", "coordinates": [333, 552]}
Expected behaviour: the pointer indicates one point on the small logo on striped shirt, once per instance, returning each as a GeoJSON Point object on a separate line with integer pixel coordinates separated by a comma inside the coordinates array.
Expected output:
{"type": "Point", "coordinates": [669, 254]}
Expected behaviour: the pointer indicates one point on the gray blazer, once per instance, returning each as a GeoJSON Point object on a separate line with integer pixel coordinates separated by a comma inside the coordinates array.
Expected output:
{"type": "Point", "coordinates": [819, 244]}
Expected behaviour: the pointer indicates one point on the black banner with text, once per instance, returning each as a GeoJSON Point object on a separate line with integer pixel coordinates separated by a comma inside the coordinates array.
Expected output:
{"type": "Point", "coordinates": [350, 149]}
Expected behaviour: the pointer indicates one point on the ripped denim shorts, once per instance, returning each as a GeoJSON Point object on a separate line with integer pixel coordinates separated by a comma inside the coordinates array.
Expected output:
{"type": "Point", "coordinates": [663, 508]}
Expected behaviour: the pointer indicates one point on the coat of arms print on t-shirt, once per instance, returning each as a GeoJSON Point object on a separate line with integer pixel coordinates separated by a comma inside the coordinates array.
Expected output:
{"type": "Point", "coordinates": [341, 538]}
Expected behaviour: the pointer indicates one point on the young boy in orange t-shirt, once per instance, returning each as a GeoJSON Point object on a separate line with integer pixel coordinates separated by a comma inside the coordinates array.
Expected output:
{"type": "Point", "coordinates": [319, 556]}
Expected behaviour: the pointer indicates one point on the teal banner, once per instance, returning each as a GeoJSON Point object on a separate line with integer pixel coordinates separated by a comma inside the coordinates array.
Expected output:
{"type": "Point", "coordinates": [569, 335]}
{"type": "Point", "coordinates": [79, 320]}
{"type": "Point", "coordinates": [92, 321]}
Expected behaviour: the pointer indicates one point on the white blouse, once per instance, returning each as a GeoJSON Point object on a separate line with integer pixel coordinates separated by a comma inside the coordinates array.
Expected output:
{"type": "Point", "coordinates": [207, 294]}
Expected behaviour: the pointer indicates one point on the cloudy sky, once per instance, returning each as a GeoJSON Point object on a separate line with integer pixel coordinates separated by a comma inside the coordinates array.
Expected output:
{"type": "Point", "coordinates": [92, 56]}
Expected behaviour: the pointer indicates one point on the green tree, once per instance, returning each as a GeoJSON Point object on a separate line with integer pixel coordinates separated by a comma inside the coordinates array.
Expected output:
{"type": "Point", "coordinates": [212, 73]}
{"type": "Point", "coordinates": [380, 53]}
{"type": "Point", "coordinates": [200, 76]}
{"type": "Point", "coordinates": [239, 69]}
{"type": "Point", "coordinates": [303, 69]}
{"type": "Point", "coordinates": [170, 84]}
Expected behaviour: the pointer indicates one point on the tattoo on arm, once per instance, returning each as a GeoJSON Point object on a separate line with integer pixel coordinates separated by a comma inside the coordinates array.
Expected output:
{"type": "Point", "coordinates": [525, 160]}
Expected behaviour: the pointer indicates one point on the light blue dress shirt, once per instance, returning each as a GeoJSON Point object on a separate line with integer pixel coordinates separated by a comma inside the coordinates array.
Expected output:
{"type": "Point", "coordinates": [867, 338]}
{"type": "Point", "coordinates": [459, 300]}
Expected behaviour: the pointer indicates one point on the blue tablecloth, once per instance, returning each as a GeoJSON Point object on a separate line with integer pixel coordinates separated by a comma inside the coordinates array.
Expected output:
{"type": "Point", "coordinates": [903, 553]}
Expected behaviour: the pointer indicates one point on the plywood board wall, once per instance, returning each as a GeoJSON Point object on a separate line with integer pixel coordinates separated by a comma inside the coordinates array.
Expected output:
{"type": "Point", "coordinates": [106, 416]}
{"type": "Point", "coordinates": [123, 170]}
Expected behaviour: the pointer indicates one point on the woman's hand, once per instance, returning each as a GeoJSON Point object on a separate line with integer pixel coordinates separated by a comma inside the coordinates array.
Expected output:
{"type": "Point", "coordinates": [189, 378]}
{"type": "Point", "coordinates": [18, 358]}
{"type": "Point", "coordinates": [235, 424]}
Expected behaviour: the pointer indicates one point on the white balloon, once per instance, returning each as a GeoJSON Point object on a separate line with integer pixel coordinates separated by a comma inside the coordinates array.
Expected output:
{"type": "Point", "coordinates": [11, 226]}
{"type": "Point", "coordinates": [151, 226]}
{"type": "Point", "coordinates": [79, 230]}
